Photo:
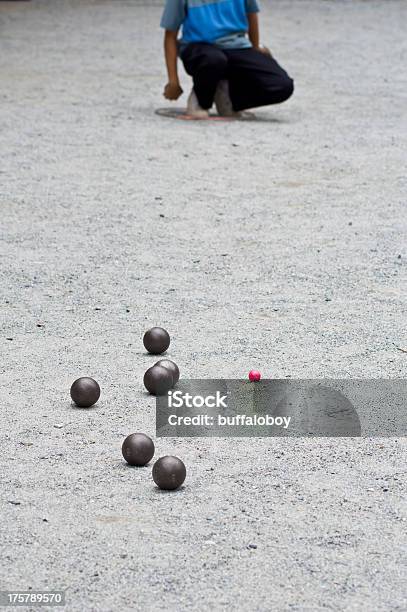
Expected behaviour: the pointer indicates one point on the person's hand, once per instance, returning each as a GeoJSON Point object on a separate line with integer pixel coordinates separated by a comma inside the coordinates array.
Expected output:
{"type": "Point", "coordinates": [264, 50]}
{"type": "Point", "coordinates": [172, 90]}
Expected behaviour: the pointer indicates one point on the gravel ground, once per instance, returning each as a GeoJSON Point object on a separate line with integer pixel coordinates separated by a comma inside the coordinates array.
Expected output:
{"type": "Point", "coordinates": [278, 244]}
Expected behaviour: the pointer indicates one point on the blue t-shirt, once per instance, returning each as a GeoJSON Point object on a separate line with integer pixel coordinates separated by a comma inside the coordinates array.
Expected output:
{"type": "Point", "coordinates": [219, 22]}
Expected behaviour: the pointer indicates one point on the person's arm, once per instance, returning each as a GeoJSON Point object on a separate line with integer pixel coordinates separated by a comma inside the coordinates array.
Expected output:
{"type": "Point", "coordinates": [173, 89]}
{"type": "Point", "coordinates": [254, 30]}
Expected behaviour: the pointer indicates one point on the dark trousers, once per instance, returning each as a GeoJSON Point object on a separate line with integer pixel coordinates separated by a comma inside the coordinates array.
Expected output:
{"type": "Point", "coordinates": [255, 79]}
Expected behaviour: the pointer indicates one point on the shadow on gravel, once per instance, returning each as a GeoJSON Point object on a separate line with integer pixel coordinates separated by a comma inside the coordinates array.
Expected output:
{"type": "Point", "coordinates": [158, 491]}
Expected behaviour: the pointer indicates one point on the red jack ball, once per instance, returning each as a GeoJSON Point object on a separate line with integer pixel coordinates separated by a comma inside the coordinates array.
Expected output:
{"type": "Point", "coordinates": [254, 376]}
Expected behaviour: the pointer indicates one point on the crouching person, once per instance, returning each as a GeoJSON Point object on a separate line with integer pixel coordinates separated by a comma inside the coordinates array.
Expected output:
{"type": "Point", "coordinates": [220, 48]}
